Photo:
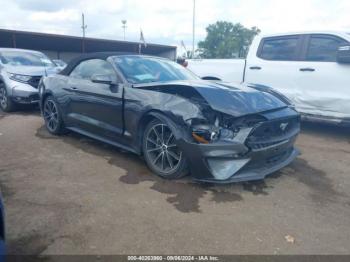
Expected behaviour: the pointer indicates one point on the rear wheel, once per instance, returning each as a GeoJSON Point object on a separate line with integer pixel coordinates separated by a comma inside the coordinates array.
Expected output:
{"type": "Point", "coordinates": [53, 117]}
{"type": "Point", "coordinates": [6, 103]}
{"type": "Point", "coordinates": [161, 152]}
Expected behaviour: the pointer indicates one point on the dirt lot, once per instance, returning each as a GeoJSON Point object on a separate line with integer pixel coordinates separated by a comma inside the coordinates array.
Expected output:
{"type": "Point", "coordinates": [72, 195]}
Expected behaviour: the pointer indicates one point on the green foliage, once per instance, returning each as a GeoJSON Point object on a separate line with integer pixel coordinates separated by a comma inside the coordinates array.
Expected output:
{"type": "Point", "coordinates": [226, 40]}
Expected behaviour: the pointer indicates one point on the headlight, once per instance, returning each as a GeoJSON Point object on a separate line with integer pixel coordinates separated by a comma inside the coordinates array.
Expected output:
{"type": "Point", "coordinates": [209, 133]}
{"type": "Point", "coordinates": [204, 134]}
{"type": "Point", "coordinates": [20, 78]}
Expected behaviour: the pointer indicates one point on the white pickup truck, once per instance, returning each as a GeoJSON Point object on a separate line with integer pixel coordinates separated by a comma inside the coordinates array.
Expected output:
{"type": "Point", "coordinates": [312, 69]}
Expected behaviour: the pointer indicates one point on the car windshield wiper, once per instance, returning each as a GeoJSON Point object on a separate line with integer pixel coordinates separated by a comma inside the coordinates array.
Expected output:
{"type": "Point", "coordinates": [149, 81]}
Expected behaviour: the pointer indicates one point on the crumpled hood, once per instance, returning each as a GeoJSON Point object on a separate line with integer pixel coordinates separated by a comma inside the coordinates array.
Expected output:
{"type": "Point", "coordinates": [227, 98]}
{"type": "Point", "coordinates": [31, 70]}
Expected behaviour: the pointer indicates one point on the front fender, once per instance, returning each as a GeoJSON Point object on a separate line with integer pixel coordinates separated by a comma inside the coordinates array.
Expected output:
{"type": "Point", "coordinates": [141, 106]}
{"type": "Point", "coordinates": [178, 131]}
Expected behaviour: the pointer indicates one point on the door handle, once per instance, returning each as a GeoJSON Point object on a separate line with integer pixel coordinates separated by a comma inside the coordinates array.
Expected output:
{"type": "Point", "coordinates": [255, 68]}
{"type": "Point", "coordinates": [308, 69]}
{"type": "Point", "coordinates": [70, 88]}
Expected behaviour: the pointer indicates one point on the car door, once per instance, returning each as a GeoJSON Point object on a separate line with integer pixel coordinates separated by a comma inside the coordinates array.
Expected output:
{"type": "Point", "coordinates": [275, 64]}
{"type": "Point", "coordinates": [93, 107]}
{"type": "Point", "coordinates": [324, 84]}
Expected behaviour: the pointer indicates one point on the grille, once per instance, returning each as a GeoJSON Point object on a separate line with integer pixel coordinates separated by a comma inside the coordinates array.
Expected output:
{"type": "Point", "coordinates": [34, 97]}
{"type": "Point", "coordinates": [277, 158]}
{"type": "Point", "coordinates": [34, 81]}
{"type": "Point", "coordinates": [269, 161]}
{"type": "Point", "coordinates": [273, 132]}
{"type": "Point", "coordinates": [263, 145]}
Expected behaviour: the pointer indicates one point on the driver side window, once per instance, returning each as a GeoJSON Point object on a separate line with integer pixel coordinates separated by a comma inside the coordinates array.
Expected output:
{"type": "Point", "coordinates": [88, 68]}
{"type": "Point", "coordinates": [323, 48]}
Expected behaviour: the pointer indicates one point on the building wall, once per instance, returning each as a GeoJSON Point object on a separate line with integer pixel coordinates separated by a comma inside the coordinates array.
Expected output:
{"type": "Point", "coordinates": [64, 56]}
{"type": "Point", "coordinates": [169, 54]}
{"type": "Point", "coordinates": [67, 56]}
{"type": "Point", "coordinates": [50, 54]}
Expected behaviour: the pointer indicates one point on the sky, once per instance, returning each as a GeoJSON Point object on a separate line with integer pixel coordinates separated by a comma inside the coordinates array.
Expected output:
{"type": "Point", "coordinates": [170, 21]}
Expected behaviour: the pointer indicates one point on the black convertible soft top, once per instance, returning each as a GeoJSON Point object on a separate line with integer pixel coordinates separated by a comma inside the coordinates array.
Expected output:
{"type": "Point", "coordinates": [98, 55]}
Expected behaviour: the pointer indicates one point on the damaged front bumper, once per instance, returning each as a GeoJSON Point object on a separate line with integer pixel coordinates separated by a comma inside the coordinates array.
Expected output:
{"type": "Point", "coordinates": [225, 163]}
{"type": "Point", "coordinates": [250, 156]}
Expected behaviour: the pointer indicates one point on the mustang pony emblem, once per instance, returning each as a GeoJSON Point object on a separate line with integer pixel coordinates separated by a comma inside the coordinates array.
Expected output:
{"type": "Point", "coordinates": [283, 126]}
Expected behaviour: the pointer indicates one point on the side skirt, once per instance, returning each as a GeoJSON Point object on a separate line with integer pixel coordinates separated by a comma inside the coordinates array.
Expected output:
{"type": "Point", "coordinates": [104, 140]}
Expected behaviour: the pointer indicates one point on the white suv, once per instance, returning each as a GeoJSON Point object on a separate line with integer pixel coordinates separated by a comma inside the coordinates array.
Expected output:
{"type": "Point", "coordinates": [20, 74]}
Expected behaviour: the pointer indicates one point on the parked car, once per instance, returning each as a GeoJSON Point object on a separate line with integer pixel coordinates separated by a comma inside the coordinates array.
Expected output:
{"type": "Point", "coordinates": [59, 64]}
{"type": "Point", "coordinates": [20, 73]}
{"type": "Point", "coordinates": [2, 230]}
{"type": "Point", "coordinates": [308, 68]}
{"type": "Point", "coordinates": [180, 123]}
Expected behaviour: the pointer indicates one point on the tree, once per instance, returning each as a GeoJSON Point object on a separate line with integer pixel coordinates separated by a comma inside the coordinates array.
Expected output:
{"type": "Point", "coordinates": [226, 40]}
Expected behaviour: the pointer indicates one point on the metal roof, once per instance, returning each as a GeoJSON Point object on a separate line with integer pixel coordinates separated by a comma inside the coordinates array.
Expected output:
{"type": "Point", "coordinates": [64, 43]}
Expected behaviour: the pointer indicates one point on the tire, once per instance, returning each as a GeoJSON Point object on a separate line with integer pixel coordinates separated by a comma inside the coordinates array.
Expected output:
{"type": "Point", "coordinates": [162, 155]}
{"type": "Point", "coordinates": [53, 116]}
{"type": "Point", "coordinates": [6, 103]}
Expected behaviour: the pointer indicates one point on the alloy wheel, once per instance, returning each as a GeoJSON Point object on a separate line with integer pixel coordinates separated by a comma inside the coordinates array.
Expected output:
{"type": "Point", "coordinates": [162, 150]}
{"type": "Point", "coordinates": [3, 97]}
{"type": "Point", "coordinates": [51, 115]}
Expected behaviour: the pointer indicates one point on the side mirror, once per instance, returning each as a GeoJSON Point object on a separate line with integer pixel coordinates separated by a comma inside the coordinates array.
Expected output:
{"type": "Point", "coordinates": [343, 55]}
{"type": "Point", "coordinates": [103, 79]}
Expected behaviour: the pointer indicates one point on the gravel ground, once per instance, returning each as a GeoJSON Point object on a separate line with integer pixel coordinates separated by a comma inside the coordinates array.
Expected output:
{"type": "Point", "coordinates": [73, 195]}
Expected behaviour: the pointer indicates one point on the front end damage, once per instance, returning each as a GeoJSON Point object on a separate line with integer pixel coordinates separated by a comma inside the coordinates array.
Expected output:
{"type": "Point", "coordinates": [225, 149]}
{"type": "Point", "coordinates": [227, 133]}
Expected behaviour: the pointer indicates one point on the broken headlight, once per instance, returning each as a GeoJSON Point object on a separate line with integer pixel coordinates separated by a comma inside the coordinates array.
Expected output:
{"type": "Point", "coordinates": [205, 133]}
{"type": "Point", "coordinates": [209, 133]}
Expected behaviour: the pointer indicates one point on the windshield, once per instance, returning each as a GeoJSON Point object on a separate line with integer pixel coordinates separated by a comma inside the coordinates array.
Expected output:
{"type": "Point", "coordinates": [140, 70]}
{"type": "Point", "coordinates": [14, 58]}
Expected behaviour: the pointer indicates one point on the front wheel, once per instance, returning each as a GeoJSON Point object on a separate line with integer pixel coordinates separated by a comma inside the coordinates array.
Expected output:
{"type": "Point", "coordinates": [6, 103]}
{"type": "Point", "coordinates": [161, 152]}
{"type": "Point", "coordinates": [53, 117]}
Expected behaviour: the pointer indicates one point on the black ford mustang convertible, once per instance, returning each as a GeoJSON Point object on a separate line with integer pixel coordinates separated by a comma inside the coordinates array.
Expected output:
{"type": "Point", "coordinates": [178, 122]}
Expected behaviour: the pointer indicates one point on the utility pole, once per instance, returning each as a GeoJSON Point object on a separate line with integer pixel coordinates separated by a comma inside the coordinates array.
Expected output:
{"type": "Point", "coordinates": [124, 26]}
{"type": "Point", "coordinates": [83, 26]}
{"type": "Point", "coordinates": [194, 25]}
